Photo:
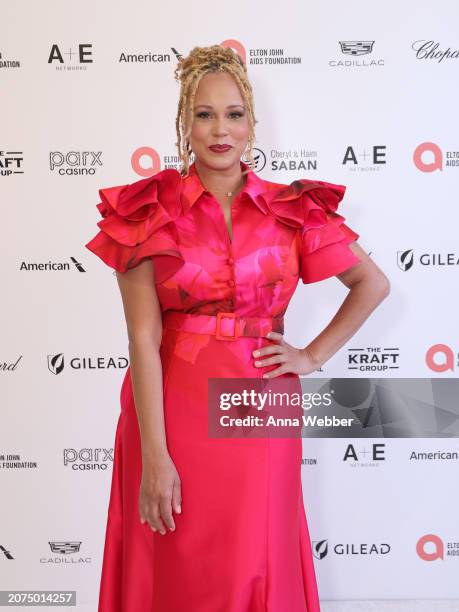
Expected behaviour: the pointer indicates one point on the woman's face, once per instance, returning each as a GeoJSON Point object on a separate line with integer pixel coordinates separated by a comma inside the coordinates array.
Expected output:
{"type": "Point", "coordinates": [219, 117]}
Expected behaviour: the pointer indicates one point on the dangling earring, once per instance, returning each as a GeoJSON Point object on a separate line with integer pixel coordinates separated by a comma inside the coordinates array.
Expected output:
{"type": "Point", "coordinates": [245, 154]}
{"type": "Point", "coordinates": [189, 153]}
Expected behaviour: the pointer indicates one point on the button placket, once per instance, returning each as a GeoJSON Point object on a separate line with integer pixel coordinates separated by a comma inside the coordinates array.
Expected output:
{"type": "Point", "coordinates": [232, 280]}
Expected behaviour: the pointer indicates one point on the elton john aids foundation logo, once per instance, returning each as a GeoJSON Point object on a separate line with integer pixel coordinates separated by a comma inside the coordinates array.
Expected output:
{"type": "Point", "coordinates": [441, 358]}
{"type": "Point", "coordinates": [430, 547]}
{"type": "Point", "coordinates": [145, 161]}
{"type": "Point", "coordinates": [429, 157]}
{"type": "Point", "coordinates": [261, 56]}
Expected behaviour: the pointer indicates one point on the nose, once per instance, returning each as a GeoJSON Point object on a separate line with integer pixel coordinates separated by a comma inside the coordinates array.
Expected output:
{"type": "Point", "coordinates": [220, 127]}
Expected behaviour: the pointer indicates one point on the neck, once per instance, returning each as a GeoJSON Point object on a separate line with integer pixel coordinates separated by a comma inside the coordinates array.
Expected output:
{"type": "Point", "coordinates": [229, 179]}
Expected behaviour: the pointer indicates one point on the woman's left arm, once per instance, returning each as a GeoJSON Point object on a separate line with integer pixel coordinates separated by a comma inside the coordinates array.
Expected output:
{"type": "Point", "coordinates": [368, 287]}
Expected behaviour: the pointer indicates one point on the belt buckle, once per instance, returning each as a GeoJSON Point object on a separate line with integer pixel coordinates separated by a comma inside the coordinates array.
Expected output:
{"type": "Point", "coordinates": [227, 315]}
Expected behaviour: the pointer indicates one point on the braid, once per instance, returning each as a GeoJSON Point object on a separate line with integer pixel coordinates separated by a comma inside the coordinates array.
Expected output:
{"type": "Point", "coordinates": [189, 72]}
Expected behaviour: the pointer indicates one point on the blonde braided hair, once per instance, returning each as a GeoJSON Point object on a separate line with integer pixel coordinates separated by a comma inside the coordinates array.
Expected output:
{"type": "Point", "coordinates": [189, 72]}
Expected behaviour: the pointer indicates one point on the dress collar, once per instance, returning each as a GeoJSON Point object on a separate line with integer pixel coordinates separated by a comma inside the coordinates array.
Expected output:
{"type": "Point", "coordinates": [193, 188]}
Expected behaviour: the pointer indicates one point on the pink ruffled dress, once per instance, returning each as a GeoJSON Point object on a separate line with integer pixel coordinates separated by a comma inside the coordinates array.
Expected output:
{"type": "Point", "coordinates": [242, 542]}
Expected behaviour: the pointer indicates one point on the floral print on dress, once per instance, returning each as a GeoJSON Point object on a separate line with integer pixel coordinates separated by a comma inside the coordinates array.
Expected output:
{"type": "Point", "coordinates": [281, 234]}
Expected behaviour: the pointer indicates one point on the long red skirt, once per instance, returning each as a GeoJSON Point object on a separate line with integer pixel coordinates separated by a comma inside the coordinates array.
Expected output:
{"type": "Point", "coordinates": [241, 543]}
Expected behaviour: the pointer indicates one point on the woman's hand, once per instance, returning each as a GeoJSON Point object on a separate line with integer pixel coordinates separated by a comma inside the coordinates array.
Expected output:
{"type": "Point", "coordinates": [160, 494]}
{"type": "Point", "coordinates": [298, 361]}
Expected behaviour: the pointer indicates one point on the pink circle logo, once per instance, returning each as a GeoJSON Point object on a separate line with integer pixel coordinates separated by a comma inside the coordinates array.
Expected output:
{"type": "Point", "coordinates": [447, 355]}
{"type": "Point", "coordinates": [430, 147]}
{"type": "Point", "coordinates": [431, 540]}
{"type": "Point", "coordinates": [236, 46]}
{"type": "Point", "coordinates": [148, 155]}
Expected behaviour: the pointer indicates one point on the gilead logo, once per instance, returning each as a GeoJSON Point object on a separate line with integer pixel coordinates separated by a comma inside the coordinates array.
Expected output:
{"type": "Point", "coordinates": [430, 541]}
{"type": "Point", "coordinates": [431, 166]}
{"type": "Point", "coordinates": [440, 358]}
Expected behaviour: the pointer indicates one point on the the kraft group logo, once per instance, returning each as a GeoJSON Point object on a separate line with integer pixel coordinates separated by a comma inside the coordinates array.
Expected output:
{"type": "Point", "coordinates": [429, 157]}
{"type": "Point", "coordinates": [373, 358]}
{"type": "Point", "coordinates": [11, 162]}
{"type": "Point", "coordinates": [441, 358]}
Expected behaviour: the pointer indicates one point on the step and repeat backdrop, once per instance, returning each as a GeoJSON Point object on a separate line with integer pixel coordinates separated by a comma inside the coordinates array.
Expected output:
{"type": "Point", "coordinates": [353, 94]}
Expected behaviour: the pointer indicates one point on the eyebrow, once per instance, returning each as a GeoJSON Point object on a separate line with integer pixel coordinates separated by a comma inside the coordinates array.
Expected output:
{"type": "Point", "coordinates": [230, 106]}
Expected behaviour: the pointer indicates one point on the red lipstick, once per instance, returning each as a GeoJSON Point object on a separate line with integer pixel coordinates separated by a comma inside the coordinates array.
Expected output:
{"type": "Point", "coordinates": [220, 148]}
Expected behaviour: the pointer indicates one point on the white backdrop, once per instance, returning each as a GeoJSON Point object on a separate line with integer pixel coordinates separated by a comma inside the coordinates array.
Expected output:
{"type": "Point", "coordinates": [344, 92]}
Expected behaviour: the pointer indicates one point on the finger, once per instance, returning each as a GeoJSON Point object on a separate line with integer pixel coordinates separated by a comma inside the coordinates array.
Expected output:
{"type": "Point", "coordinates": [177, 497]}
{"type": "Point", "coordinates": [276, 372]}
{"type": "Point", "coordinates": [143, 512]}
{"type": "Point", "coordinates": [166, 512]}
{"type": "Point", "coordinates": [272, 335]}
{"type": "Point", "coordinates": [155, 520]}
{"type": "Point", "coordinates": [267, 350]}
{"type": "Point", "coordinates": [281, 358]}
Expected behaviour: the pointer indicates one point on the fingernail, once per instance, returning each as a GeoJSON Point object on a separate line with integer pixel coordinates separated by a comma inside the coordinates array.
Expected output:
{"type": "Point", "coordinates": [257, 362]}
{"type": "Point", "coordinates": [179, 509]}
{"type": "Point", "coordinates": [172, 528]}
{"type": "Point", "coordinates": [255, 353]}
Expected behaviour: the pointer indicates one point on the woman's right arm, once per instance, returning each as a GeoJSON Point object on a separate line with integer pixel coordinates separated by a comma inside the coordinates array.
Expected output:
{"type": "Point", "coordinates": [160, 490]}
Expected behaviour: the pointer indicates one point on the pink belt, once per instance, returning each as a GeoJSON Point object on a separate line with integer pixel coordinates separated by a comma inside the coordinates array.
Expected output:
{"type": "Point", "coordinates": [224, 325]}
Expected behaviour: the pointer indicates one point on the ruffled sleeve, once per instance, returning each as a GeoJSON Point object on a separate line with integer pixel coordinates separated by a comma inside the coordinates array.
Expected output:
{"type": "Point", "coordinates": [135, 224]}
{"type": "Point", "coordinates": [310, 206]}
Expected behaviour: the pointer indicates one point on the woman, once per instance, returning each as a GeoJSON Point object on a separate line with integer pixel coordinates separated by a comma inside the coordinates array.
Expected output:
{"type": "Point", "coordinates": [197, 523]}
